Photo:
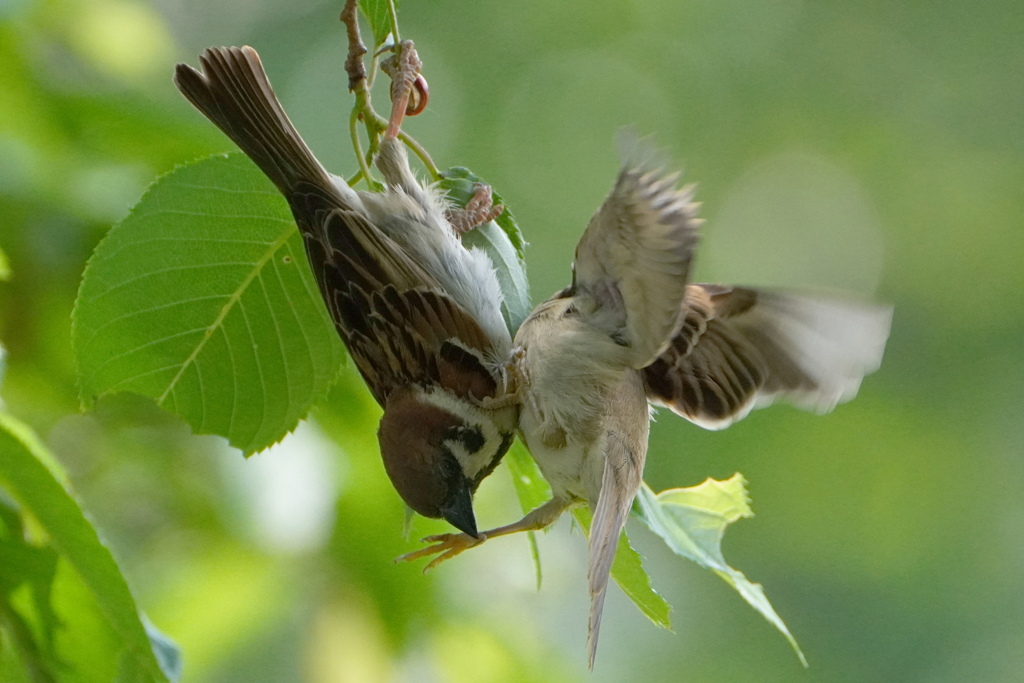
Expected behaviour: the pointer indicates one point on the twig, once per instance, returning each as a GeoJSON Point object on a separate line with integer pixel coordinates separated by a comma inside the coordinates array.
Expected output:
{"type": "Point", "coordinates": [360, 81]}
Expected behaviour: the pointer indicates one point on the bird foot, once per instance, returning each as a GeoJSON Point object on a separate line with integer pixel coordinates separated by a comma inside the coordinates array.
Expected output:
{"type": "Point", "coordinates": [404, 70]}
{"type": "Point", "coordinates": [479, 209]}
{"type": "Point", "coordinates": [511, 384]}
{"type": "Point", "coordinates": [445, 546]}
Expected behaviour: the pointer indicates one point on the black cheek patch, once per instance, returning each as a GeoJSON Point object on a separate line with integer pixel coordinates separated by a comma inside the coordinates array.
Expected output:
{"type": "Point", "coordinates": [506, 443]}
{"type": "Point", "coordinates": [471, 438]}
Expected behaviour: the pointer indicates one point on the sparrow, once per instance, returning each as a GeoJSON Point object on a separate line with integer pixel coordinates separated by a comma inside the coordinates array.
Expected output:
{"type": "Point", "coordinates": [630, 331]}
{"type": "Point", "coordinates": [419, 313]}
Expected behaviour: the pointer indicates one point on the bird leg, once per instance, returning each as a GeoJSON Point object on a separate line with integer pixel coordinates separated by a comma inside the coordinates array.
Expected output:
{"type": "Point", "coordinates": [479, 209]}
{"type": "Point", "coordinates": [509, 392]}
{"type": "Point", "coordinates": [447, 546]}
{"type": "Point", "coordinates": [404, 70]}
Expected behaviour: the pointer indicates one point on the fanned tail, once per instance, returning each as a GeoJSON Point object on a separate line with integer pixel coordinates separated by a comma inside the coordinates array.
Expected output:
{"type": "Point", "coordinates": [233, 91]}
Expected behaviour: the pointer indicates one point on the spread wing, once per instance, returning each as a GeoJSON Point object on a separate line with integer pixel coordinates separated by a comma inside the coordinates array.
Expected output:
{"type": "Point", "coordinates": [632, 262]}
{"type": "Point", "coordinates": [741, 348]}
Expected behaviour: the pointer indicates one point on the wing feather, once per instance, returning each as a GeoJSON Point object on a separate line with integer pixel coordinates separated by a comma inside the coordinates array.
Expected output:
{"type": "Point", "coordinates": [741, 348]}
{"type": "Point", "coordinates": [372, 285]}
{"type": "Point", "coordinates": [634, 257]}
{"type": "Point", "coordinates": [392, 315]}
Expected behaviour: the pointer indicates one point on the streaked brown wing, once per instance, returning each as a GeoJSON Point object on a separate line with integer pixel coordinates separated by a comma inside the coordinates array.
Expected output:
{"type": "Point", "coordinates": [742, 348]}
{"type": "Point", "coordinates": [398, 324]}
{"type": "Point", "coordinates": [371, 286]}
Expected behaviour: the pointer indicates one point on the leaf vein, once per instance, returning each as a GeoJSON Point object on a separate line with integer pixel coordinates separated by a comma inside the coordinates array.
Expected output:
{"type": "Point", "coordinates": [174, 240]}
{"type": "Point", "coordinates": [235, 298]}
{"type": "Point", "coordinates": [153, 309]}
{"type": "Point", "coordinates": [265, 390]}
{"type": "Point", "coordinates": [278, 337]}
{"type": "Point", "coordinates": [129, 352]}
{"type": "Point", "coordinates": [172, 269]}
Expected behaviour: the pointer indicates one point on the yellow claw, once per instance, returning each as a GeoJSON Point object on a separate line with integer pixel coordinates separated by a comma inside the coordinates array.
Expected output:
{"type": "Point", "coordinates": [445, 546]}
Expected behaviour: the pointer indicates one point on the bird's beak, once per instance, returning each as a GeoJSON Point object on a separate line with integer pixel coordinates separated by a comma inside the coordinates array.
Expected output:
{"type": "Point", "coordinates": [459, 513]}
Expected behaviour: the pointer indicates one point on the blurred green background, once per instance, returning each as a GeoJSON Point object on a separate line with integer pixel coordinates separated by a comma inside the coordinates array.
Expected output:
{"type": "Point", "coordinates": [872, 147]}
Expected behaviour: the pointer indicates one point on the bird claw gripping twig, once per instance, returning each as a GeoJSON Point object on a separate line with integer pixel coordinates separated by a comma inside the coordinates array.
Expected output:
{"type": "Point", "coordinates": [480, 209]}
{"type": "Point", "coordinates": [404, 69]}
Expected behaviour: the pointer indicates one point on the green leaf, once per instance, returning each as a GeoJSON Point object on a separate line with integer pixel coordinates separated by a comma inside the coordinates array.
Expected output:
{"type": "Point", "coordinates": [202, 298]}
{"type": "Point", "coordinates": [531, 489]}
{"type": "Point", "coordinates": [33, 661]}
{"type": "Point", "coordinates": [5, 267]}
{"type": "Point", "coordinates": [28, 566]}
{"type": "Point", "coordinates": [26, 577]}
{"type": "Point", "coordinates": [460, 183]}
{"type": "Point", "coordinates": [36, 489]}
{"type": "Point", "coordinates": [166, 650]}
{"type": "Point", "coordinates": [503, 242]}
{"type": "Point", "coordinates": [692, 522]}
{"type": "Point", "coordinates": [627, 567]}
{"type": "Point", "coordinates": [628, 571]}
{"type": "Point", "coordinates": [379, 16]}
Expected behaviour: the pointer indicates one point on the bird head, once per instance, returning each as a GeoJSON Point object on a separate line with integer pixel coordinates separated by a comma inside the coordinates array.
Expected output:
{"type": "Point", "coordinates": [438, 447]}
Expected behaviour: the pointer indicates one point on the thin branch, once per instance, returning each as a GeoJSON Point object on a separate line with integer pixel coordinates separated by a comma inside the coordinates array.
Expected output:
{"type": "Point", "coordinates": [364, 168]}
{"type": "Point", "coordinates": [394, 21]}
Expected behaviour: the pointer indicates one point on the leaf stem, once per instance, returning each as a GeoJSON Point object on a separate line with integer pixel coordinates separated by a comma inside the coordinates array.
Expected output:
{"type": "Point", "coordinates": [372, 75]}
{"type": "Point", "coordinates": [394, 22]}
{"type": "Point", "coordinates": [360, 82]}
{"type": "Point", "coordinates": [421, 152]}
{"type": "Point", "coordinates": [364, 167]}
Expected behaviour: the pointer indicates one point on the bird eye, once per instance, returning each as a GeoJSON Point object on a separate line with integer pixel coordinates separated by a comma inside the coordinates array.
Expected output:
{"type": "Point", "coordinates": [448, 467]}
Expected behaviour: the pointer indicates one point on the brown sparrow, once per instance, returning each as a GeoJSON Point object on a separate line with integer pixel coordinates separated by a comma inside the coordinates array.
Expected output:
{"type": "Point", "coordinates": [419, 314]}
{"type": "Point", "coordinates": [629, 330]}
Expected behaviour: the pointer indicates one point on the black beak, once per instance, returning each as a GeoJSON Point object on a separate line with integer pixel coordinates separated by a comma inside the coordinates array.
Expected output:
{"type": "Point", "coordinates": [459, 511]}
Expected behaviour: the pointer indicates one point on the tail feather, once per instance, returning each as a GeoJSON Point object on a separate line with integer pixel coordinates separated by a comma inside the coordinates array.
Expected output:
{"type": "Point", "coordinates": [623, 469]}
{"type": "Point", "coordinates": [604, 540]}
{"type": "Point", "coordinates": [233, 91]}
